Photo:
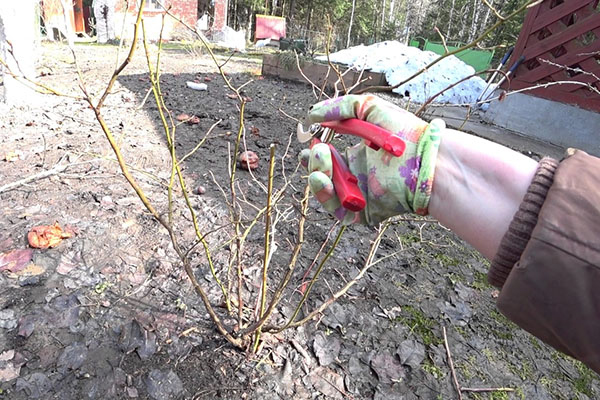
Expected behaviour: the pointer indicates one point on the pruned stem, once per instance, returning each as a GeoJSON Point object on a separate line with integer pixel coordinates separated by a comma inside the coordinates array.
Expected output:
{"type": "Point", "coordinates": [267, 243]}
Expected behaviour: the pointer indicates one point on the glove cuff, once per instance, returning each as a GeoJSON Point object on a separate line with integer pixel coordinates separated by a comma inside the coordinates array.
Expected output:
{"type": "Point", "coordinates": [427, 150]}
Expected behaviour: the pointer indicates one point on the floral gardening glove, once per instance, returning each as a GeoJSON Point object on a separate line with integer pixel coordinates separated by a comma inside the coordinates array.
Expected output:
{"type": "Point", "coordinates": [391, 185]}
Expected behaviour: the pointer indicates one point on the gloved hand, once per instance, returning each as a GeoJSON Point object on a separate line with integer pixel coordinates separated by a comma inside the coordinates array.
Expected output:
{"type": "Point", "coordinates": [391, 185]}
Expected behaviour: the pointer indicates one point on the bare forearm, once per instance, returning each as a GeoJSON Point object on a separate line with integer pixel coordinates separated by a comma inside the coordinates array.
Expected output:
{"type": "Point", "coordinates": [478, 187]}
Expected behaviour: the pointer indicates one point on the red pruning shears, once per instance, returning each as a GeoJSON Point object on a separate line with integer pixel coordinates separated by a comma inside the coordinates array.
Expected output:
{"type": "Point", "coordinates": [345, 183]}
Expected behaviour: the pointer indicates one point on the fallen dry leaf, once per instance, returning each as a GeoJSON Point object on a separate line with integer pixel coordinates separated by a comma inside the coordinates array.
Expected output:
{"type": "Point", "coordinates": [45, 236]}
{"type": "Point", "coordinates": [232, 95]}
{"type": "Point", "coordinates": [248, 160]}
{"type": "Point", "coordinates": [31, 270]}
{"type": "Point", "coordinates": [15, 260]}
{"type": "Point", "coordinates": [183, 117]}
{"type": "Point", "coordinates": [194, 120]}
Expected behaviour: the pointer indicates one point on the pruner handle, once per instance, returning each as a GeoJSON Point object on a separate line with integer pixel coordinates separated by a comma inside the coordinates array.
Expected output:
{"type": "Point", "coordinates": [375, 136]}
{"type": "Point", "coordinates": [344, 182]}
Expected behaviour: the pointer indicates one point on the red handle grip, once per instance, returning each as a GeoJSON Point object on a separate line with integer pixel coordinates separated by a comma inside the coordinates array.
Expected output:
{"type": "Point", "coordinates": [375, 136]}
{"type": "Point", "coordinates": [346, 184]}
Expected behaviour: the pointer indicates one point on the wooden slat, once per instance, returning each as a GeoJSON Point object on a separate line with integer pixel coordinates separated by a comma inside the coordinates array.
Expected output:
{"type": "Point", "coordinates": [525, 31]}
{"type": "Point", "coordinates": [592, 22]}
{"type": "Point", "coordinates": [549, 93]}
{"type": "Point", "coordinates": [567, 59]}
{"type": "Point", "coordinates": [528, 45]}
{"type": "Point", "coordinates": [558, 12]}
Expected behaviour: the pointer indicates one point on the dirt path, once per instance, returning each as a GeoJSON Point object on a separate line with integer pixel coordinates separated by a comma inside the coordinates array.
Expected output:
{"type": "Point", "coordinates": [109, 313]}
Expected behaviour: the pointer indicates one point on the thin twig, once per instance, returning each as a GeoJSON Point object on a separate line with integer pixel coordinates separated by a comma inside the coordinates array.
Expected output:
{"type": "Point", "coordinates": [314, 278]}
{"type": "Point", "coordinates": [451, 364]}
{"type": "Point", "coordinates": [442, 37]}
{"type": "Point", "coordinates": [368, 264]}
{"type": "Point", "coordinates": [493, 9]}
{"type": "Point", "coordinates": [267, 243]}
{"type": "Point", "coordinates": [57, 169]}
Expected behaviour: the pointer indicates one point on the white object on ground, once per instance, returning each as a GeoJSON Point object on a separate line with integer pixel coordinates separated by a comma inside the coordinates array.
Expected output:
{"type": "Point", "coordinates": [398, 62]}
{"type": "Point", "coordinates": [197, 86]}
{"type": "Point", "coordinates": [263, 42]}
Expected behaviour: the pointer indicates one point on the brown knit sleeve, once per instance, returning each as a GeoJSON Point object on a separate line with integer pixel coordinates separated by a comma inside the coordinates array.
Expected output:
{"type": "Point", "coordinates": [519, 232]}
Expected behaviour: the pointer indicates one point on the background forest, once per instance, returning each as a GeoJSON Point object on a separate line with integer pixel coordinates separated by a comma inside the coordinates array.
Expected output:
{"type": "Point", "coordinates": [368, 21]}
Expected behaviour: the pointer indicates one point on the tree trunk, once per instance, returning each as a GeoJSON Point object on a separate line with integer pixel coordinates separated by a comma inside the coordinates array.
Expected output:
{"type": "Point", "coordinates": [485, 19]}
{"type": "Point", "coordinates": [292, 9]}
{"type": "Point", "coordinates": [249, 29]}
{"type": "Point", "coordinates": [392, 3]}
{"type": "Point", "coordinates": [474, 20]}
{"type": "Point", "coordinates": [450, 19]}
{"type": "Point", "coordinates": [382, 15]}
{"type": "Point", "coordinates": [308, 15]}
{"type": "Point", "coordinates": [351, 22]}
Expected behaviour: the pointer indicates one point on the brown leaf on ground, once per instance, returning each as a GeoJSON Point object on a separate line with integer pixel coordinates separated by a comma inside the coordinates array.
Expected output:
{"type": "Point", "coordinates": [15, 260]}
{"type": "Point", "coordinates": [46, 236]}
{"type": "Point", "coordinates": [248, 160]}
{"type": "Point", "coordinates": [183, 117]}
{"type": "Point", "coordinates": [194, 120]}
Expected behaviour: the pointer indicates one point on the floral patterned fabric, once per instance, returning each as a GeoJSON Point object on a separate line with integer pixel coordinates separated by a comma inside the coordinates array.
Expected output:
{"type": "Point", "coordinates": [391, 185]}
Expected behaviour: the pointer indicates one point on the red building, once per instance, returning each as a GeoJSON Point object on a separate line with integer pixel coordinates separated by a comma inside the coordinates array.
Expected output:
{"type": "Point", "coordinates": [80, 14]}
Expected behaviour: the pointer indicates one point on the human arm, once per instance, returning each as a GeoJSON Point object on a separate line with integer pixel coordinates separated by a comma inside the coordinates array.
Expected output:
{"type": "Point", "coordinates": [477, 188]}
{"type": "Point", "coordinates": [539, 223]}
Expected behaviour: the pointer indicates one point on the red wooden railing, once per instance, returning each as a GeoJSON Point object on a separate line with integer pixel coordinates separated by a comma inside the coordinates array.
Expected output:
{"type": "Point", "coordinates": [560, 41]}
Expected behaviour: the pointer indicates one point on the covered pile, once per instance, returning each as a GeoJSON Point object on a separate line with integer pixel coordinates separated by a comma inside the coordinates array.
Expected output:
{"type": "Point", "coordinates": [399, 62]}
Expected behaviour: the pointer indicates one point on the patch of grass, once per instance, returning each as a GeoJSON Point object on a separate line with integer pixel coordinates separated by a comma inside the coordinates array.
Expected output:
{"type": "Point", "coordinates": [535, 342]}
{"type": "Point", "coordinates": [547, 382]}
{"type": "Point", "coordinates": [420, 324]}
{"type": "Point", "coordinates": [433, 369]}
{"type": "Point", "coordinates": [467, 367]}
{"type": "Point", "coordinates": [480, 281]}
{"type": "Point", "coordinates": [489, 354]}
{"type": "Point", "coordinates": [583, 384]}
{"type": "Point", "coordinates": [523, 371]}
{"type": "Point", "coordinates": [519, 392]}
{"type": "Point", "coordinates": [447, 261]}
{"type": "Point", "coordinates": [504, 335]}
{"type": "Point", "coordinates": [455, 278]}
{"type": "Point", "coordinates": [499, 395]}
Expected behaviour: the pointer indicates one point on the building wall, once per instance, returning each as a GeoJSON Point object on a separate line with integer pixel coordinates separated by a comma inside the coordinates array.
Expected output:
{"type": "Point", "coordinates": [186, 10]}
{"type": "Point", "coordinates": [220, 17]}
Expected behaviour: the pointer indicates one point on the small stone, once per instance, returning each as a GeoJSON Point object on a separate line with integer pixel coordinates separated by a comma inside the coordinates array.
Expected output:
{"type": "Point", "coordinates": [8, 319]}
{"type": "Point", "coordinates": [201, 189]}
{"type": "Point", "coordinates": [26, 326]}
{"type": "Point", "coordinates": [73, 356]}
{"type": "Point", "coordinates": [163, 385]}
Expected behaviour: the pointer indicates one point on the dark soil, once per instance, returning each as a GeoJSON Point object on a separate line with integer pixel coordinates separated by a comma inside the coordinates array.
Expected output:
{"type": "Point", "coordinates": [110, 313]}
